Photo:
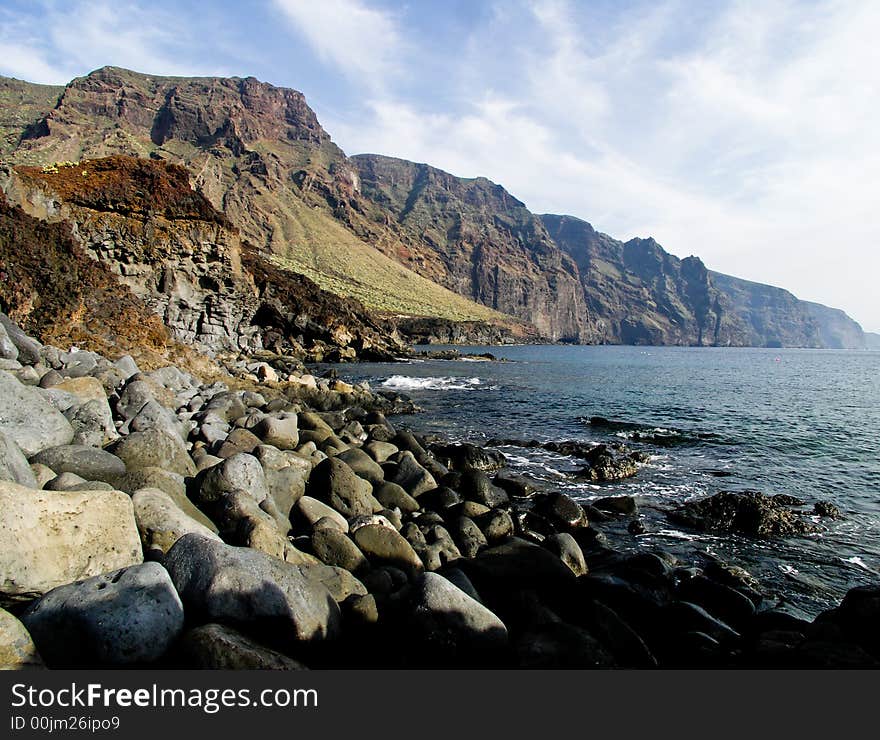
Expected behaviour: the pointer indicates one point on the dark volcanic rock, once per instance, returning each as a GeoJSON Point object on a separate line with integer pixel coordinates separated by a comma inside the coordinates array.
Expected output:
{"type": "Point", "coordinates": [468, 456]}
{"type": "Point", "coordinates": [747, 513]}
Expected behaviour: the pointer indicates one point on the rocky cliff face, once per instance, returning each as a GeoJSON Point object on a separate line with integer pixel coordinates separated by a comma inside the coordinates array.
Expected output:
{"type": "Point", "coordinates": [407, 241]}
{"type": "Point", "coordinates": [836, 329]}
{"type": "Point", "coordinates": [140, 221]}
{"type": "Point", "coordinates": [259, 156]}
{"type": "Point", "coordinates": [475, 238]}
{"type": "Point", "coordinates": [639, 293]}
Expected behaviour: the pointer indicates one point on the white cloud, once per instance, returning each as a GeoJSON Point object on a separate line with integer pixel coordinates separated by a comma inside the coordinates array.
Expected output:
{"type": "Point", "coordinates": [364, 43]}
{"type": "Point", "coordinates": [52, 43]}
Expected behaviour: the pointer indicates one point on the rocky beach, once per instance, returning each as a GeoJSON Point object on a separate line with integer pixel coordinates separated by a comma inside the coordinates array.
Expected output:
{"type": "Point", "coordinates": [272, 519]}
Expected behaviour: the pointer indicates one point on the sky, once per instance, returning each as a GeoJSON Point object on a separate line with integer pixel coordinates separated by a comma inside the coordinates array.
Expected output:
{"type": "Point", "coordinates": [747, 133]}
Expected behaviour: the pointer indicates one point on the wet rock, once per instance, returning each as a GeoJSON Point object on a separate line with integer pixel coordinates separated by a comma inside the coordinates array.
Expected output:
{"type": "Point", "coordinates": [476, 486]}
{"type": "Point", "coordinates": [827, 509]}
{"type": "Point", "coordinates": [566, 548]}
{"type": "Point", "coordinates": [515, 485]}
{"type": "Point", "coordinates": [752, 514]}
{"type": "Point", "coordinates": [218, 647]}
{"type": "Point", "coordinates": [625, 505]}
{"type": "Point", "coordinates": [468, 457]}
{"type": "Point", "coordinates": [468, 536]}
{"type": "Point", "coordinates": [48, 539]}
{"type": "Point", "coordinates": [727, 603]}
{"type": "Point", "coordinates": [497, 525]}
{"type": "Point", "coordinates": [128, 616]}
{"type": "Point", "coordinates": [257, 593]}
{"type": "Point", "coordinates": [28, 419]}
{"type": "Point", "coordinates": [562, 510]}
{"type": "Point", "coordinates": [561, 645]}
{"type": "Point", "coordinates": [605, 466]}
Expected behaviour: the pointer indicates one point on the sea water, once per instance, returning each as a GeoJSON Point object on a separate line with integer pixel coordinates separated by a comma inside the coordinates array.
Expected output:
{"type": "Point", "coordinates": [798, 422]}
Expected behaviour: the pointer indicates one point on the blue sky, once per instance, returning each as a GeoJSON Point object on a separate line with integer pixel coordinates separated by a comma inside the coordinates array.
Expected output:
{"type": "Point", "coordinates": [743, 132]}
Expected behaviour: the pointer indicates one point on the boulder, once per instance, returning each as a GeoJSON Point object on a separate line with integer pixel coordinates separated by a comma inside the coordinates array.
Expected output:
{"type": "Point", "coordinates": [170, 483]}
{"type": "Point", "coordinates": [17, 649]}
{"type": "Point", "coordinates": [476, 486]}
{"type": "Point", "coordinates": [391, 496]}
{"type": "Point", "coordinates": [310, 511]}
{"type": "Point", "coordinates": [161, 522]}
{"type": "Point", "coordinates": [129, 616]}
{"type": "Point", "coordinates": [241, 472]}
{"type": "Point", "coordinates": [566, 548]}
{"type": "Point", "coordinates": [563, 510]}
{"type": "Point", "coordinates": [363, 465]}
{"type": "Point", "coordinates": [258, 593]}
{"type": "Point", "coordinates": [279, 430]}
{"type": "Point", "coordinates": [153, 448]}
{"type": "Point", "coordinates": [333, 547]}
{"type": "Point", "coordinates": [468, 536]}
{"type": "Point", "coordinates": [218, 647]}
{"type": "Point", "coordinates": [28, 419]}
{"type": "Point", "coordinates": [411, 476]}
{"type": "Point", "coordinates": [51, 538]}
{"type": "Point", "coordinates": [89, 463]}
{"type": "Point", "coordinates": [14, 466]}
{"type": "Point", "coordinates": [449, 625]}
{"type": "Point", "coordinates": [750, 513]}
{"type": "Point", "coordinates": [386, 546]}
{"type": "Point", "coordinates": [335, 482]}
{"type": "Point", "coordinates": [28, 348]}
{"type": "Point", "coordinates": [93, 424]}
{"type": "Point", "coordinates": [625, 505]}
{"type": "Point", "coordinates": [8, 350]}
{"type": "Point", "coordinates": [380, 451]}
{"type": "Point", "coordinates": [468, 457]}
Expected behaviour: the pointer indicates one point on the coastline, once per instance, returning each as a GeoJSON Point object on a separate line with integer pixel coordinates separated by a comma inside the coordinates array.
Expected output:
{"type": "Point", "coordinates": [288, 522]}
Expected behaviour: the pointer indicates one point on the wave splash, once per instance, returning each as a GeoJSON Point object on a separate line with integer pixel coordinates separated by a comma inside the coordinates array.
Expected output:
{"type": "Point", "coordinates": [405, 383]}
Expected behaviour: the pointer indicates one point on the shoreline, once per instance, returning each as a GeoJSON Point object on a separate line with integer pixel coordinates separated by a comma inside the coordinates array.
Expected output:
{"type": "Point", "coordinates": [290, 524]}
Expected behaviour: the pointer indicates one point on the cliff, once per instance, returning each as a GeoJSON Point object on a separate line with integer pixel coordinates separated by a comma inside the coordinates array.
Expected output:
{"type": "Point", "coordinates": [417, 249]}
{"type": "Point", "coordinates": [163, 243]}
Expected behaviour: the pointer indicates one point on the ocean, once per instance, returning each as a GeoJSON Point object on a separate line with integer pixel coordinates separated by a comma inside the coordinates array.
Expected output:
{"type": "Point", "coordinates": [798, 422]}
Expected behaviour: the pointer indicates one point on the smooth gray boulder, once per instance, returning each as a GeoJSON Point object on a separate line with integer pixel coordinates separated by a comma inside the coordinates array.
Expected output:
{"type": "Point", "coordinates": [310, 511]}
{"type": "Point", "coordinates": [29, 349]}
{"type": "Point", "coordinates": [154, 448]}
{"type": "Point", "coordinates": [335, 482]}
{"type": "Point", "coordinates": [50, 538]}
{"type": "Point", "coordinates": [449, 623]}
{"type": "Point", "coordinates": [280, 430]}
{"type": "Point", "coordinates": [89, 463]}
{"type": "Point", "coordinates": [411, 476]}
{"type": "Point", "coordinates": [241, 472]}
{"type": "Point", "coordinates": [161, 522]}
{"type": "Point", "coordinates": [171, 483]}
{"type": "Point", "coordinates": [27, 418]}
{"type": "Point", "coordinates": [128, 616]}
{"type": "Point", "coordinates": [253, 591]}
{"type": "Point", "coordinates": [386, 546]}
{"type": "Point", "coordinates": [14, 465]}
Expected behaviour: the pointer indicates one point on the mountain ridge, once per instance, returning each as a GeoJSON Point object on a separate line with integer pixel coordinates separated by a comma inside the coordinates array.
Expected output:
{"type": "Point", "coordinates": [405, 238]}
